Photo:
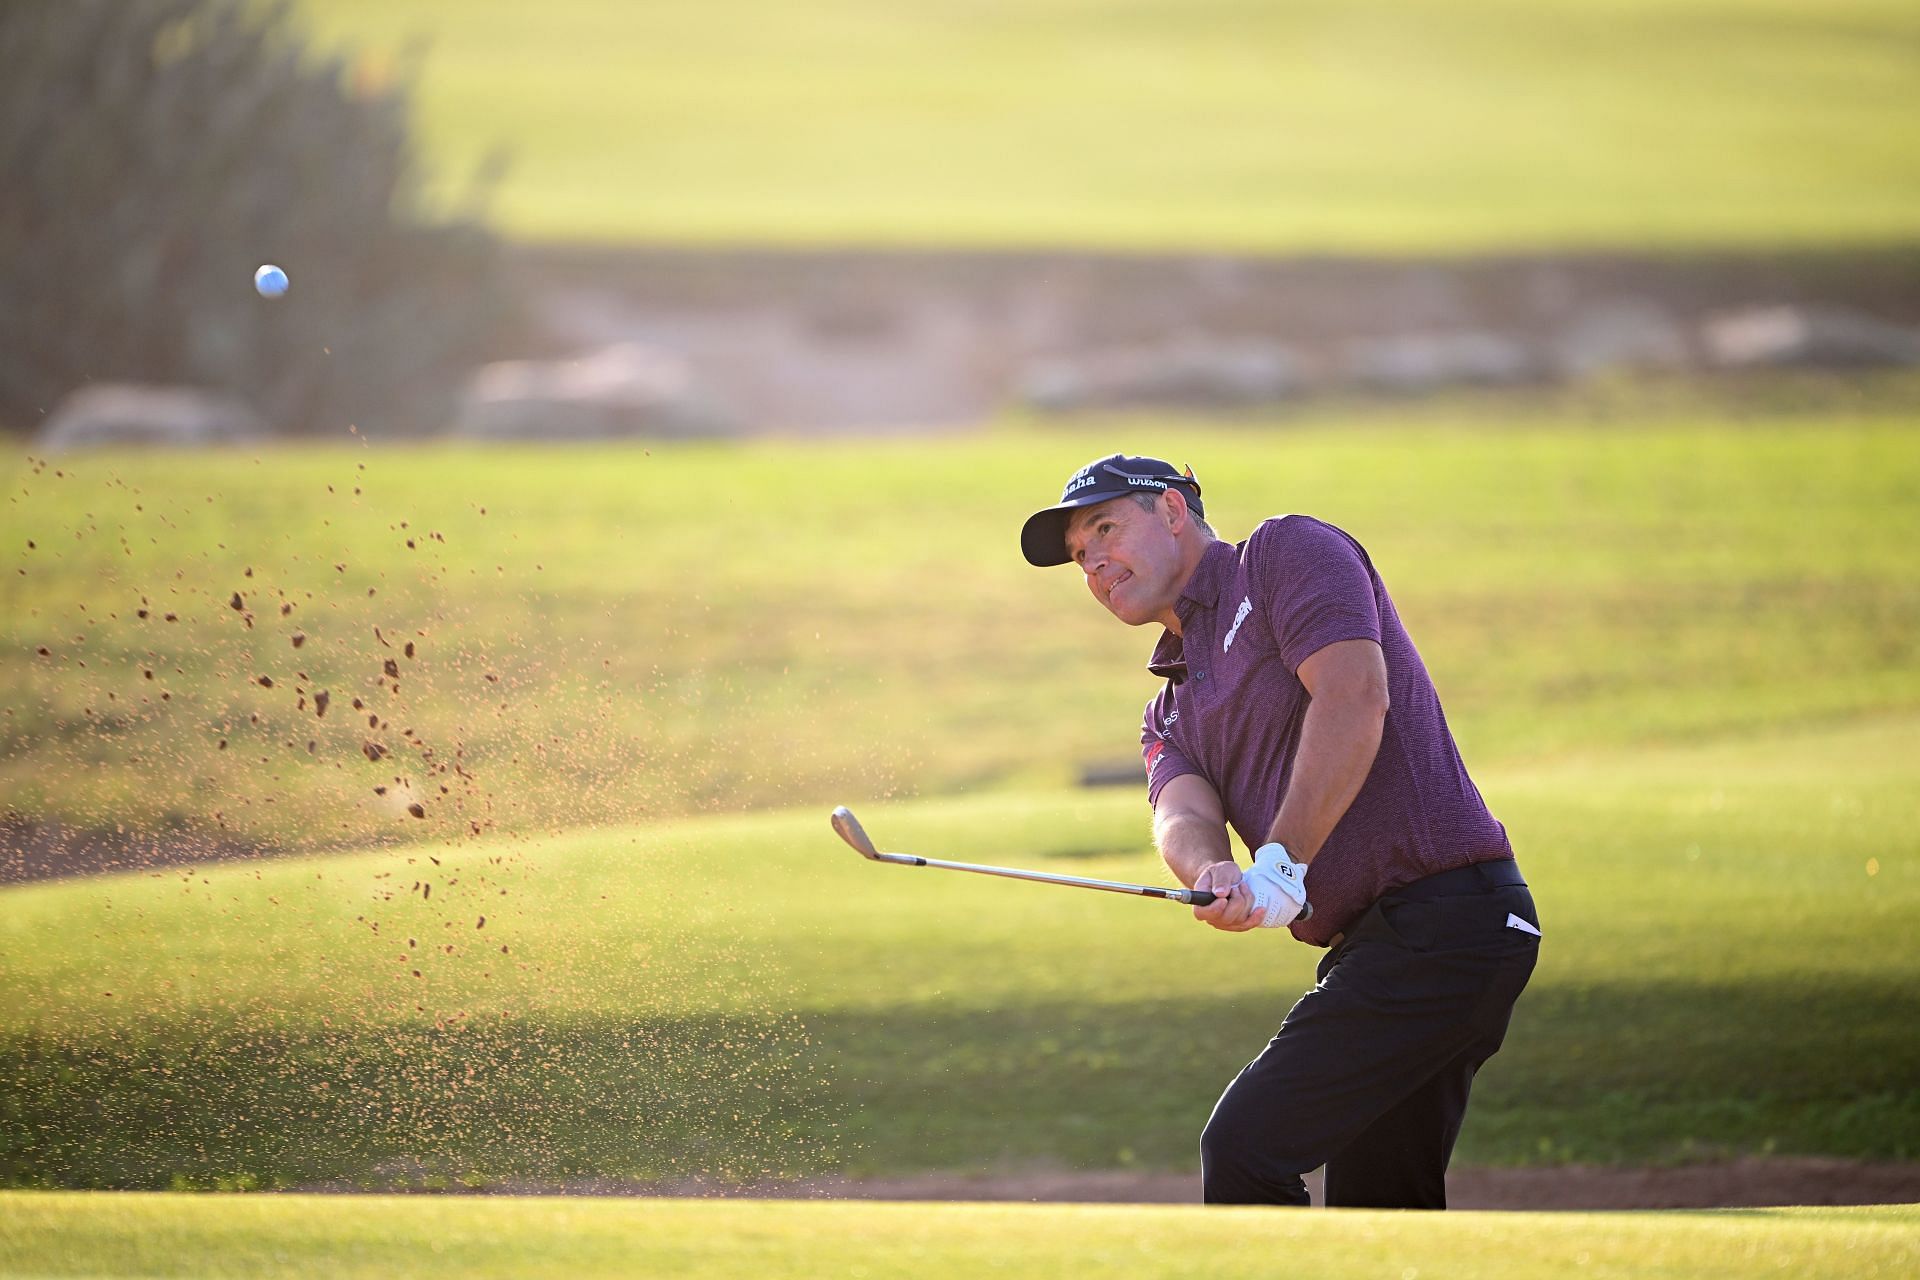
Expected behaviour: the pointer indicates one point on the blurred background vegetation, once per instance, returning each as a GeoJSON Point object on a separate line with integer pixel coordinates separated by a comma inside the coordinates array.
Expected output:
{"type": "Point", "coordinates": [156, 152]}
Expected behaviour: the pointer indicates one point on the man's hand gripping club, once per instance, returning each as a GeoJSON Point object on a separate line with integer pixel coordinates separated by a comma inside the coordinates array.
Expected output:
{"type": "Point", "coordinates": [1271, 894]}
{"type": "Point", "coordinates": [1191, 832]}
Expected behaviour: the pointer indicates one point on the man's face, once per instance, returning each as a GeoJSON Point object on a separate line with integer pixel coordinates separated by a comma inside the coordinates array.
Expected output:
{"type": "Point", "coordinates": [1130, 557]}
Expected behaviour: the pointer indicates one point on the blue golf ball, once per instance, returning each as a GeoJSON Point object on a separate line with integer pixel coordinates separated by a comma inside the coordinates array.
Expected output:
{"type": "Point", "coordinates": [270, 280]}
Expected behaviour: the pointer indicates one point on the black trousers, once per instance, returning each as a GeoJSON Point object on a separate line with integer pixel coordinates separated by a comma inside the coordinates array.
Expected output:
{"type": "Point", "coordinates": [1370, 1071]}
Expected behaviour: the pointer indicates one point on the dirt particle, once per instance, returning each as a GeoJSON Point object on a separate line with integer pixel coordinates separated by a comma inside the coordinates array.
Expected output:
{"type": "Point", "coordinates": [417, 809]}
{"type": "Point", "coordinates": [237, 604]}
{"type": "Point", "coordinates": [392, 669]}
{"type": "Point", "coordinates": [298, 638]}
{"type": "Point", "coordinates": [265, 682]}
{"type": "Point", "coordinates": [409, 649]}
{"type": "Point", "coordinates": [320, 701]}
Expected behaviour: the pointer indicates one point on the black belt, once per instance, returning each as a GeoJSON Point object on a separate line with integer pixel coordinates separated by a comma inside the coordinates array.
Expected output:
{"type": "Point", "coordinates": [1475, 877]}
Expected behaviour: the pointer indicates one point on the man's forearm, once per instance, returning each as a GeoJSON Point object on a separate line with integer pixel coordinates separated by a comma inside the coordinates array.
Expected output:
{"type": "Point", "coordinates": [1339, 739]}
{"type": "Point", "coordinates": [1190, 843]}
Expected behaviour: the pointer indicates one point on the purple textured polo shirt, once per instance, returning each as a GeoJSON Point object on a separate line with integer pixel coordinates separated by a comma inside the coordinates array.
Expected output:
{"type": "Point", "coordinates": [1233, 708]}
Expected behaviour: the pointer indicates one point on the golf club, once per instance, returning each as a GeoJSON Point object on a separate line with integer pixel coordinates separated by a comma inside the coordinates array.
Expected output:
{"type": "Point", "coordinates": [849, 829]}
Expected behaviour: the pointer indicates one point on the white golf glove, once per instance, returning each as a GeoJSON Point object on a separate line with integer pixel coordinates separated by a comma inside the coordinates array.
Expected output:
{"type": "Point", "coordinates": [1279, 886]}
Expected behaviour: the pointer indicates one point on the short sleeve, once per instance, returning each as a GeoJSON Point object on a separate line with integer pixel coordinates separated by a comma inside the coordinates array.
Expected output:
{"type": "Point", "coordinates": [1164, 760]}
{"type": "Point", "coordinates": [1316, 585]}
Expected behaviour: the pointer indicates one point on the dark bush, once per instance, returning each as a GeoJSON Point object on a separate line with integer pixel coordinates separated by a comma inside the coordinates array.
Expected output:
{"type": "Point", "coordinates": [155, 152]}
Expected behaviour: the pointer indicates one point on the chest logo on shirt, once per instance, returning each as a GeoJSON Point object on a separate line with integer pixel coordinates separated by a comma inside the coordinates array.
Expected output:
{"type": "Point", "coordinates": [1239, 616]}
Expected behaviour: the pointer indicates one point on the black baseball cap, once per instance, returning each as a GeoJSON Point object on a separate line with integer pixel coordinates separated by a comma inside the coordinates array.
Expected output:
{"type": "Point", "coordinates": [1044, 537]}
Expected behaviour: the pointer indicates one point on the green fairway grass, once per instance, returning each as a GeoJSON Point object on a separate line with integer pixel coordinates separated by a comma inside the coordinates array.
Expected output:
{"type": "Point", "coordinates": [72, 1235]}
{"type": "Point", "coordinates": [1363, 125]}
{"type": "Point", "coordinates": [622, 943]}
{"type": "Point", "coordinates": [1728, 969]}
{"type": "Point", "coordinates": [623, 634]}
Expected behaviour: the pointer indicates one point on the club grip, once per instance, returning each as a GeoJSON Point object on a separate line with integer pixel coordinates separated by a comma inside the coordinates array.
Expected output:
{"type": "Point", "coordinates": [1201, 898]}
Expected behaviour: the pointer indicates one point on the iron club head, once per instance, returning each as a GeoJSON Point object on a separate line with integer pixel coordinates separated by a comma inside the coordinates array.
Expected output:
{"type": "Point", "coordinates": [848, 828]}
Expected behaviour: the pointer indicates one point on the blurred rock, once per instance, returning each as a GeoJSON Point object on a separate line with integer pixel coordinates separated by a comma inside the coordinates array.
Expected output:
{"type": "Point", "coordinates": [1189, 374]}
{"type": "Point", "coordinates": [1817, 337]}
{"type": "Point", "coordinates": [1413, 364]}
{"type": "Point", "coordinates": [625, 390]}
{"type": "Point", "coordinates": [1621, 337]}
{"type": "Point", "coordinates": [1111, 773]}
{"type": "Point", "coordinates": [122, 413]}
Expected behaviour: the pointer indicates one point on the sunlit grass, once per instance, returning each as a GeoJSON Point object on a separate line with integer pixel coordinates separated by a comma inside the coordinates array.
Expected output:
{"type": "Point", "coordinates": [341, 1237]}
{"type": "Point", "coordinates": [1357, 125]}
{"type": "Point", "coordinates": [625, 634]}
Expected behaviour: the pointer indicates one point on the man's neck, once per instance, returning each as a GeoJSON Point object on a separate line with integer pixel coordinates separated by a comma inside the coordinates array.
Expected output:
{"type": "Point", "coordinates": [1170, 619]}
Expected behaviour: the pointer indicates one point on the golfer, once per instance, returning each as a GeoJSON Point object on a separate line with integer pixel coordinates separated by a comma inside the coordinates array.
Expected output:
{"type": "Point", "coordinates": [1297, 712]}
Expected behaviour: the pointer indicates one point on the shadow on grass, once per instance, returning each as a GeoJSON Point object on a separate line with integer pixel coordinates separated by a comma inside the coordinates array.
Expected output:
{"type": "Point", "coordinates": [1659, 1071]}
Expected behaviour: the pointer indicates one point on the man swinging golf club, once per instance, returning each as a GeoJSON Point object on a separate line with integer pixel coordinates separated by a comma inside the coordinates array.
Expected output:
{"type": "Point", "coordinates": [1297, 712]}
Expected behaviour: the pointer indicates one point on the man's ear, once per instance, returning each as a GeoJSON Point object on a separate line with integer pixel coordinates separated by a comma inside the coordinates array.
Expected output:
{"type": "Point", "coordinates": [1177, 514]}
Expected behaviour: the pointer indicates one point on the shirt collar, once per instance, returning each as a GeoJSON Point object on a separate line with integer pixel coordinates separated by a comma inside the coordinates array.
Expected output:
{"type": "Point", "coordinates": [1169, 660]}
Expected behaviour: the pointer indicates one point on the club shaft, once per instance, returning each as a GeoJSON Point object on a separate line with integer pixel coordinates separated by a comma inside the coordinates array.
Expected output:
{"type": "Point", "coordinates": [1191, 897]}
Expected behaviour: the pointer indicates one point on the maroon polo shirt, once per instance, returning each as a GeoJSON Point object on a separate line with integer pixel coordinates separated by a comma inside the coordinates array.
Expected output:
{"type": "Point", "coordinates": [1233, 708]}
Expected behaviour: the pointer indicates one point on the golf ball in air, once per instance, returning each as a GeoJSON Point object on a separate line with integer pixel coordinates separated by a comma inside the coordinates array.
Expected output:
{"type": "Point", "coordinates": [270, 280]}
